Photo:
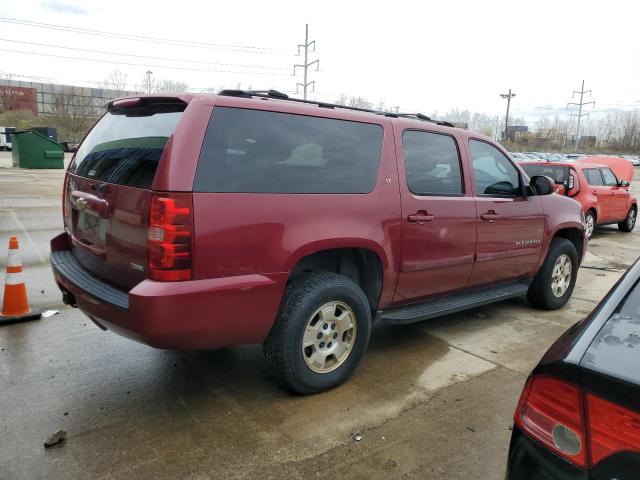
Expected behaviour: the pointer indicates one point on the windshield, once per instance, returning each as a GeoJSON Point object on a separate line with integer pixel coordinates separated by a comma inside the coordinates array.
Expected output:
{"type": "Point", "coordinates": [558, 173]}
{"type": "Point", "coordinates": [125, 145]}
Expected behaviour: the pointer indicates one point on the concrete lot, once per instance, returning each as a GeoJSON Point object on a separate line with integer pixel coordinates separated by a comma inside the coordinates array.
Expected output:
{"type": "Point", "coordinates": [432, 400]}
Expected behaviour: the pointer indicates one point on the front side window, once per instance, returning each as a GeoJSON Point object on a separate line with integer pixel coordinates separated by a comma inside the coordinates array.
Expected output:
{"type": "Point", "coordinates": [432, 163]}
{"type": "Point", "coordinates": [593, 176]}
{"type": "Point", "coordinates": [609, 177]}
{"type": "Point", "coordinates": [559, 174]}
{"type": "Point", "coordinates": [257, 151]}
{"type": "Point", "coordinates": [494, 174]}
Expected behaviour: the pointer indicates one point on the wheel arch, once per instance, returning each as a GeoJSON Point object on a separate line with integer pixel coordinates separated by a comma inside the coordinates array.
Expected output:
{"type": "Point", "coordinates": [363, 262]}
{"type": "Point", "coordinates": [575, 235]}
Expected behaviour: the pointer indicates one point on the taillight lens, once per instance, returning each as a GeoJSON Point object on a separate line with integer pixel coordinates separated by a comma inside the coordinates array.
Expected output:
{"type": "Point", "coordinates": [550, 410]}
{"type": "Point", "coordinates": [170, 237]}
{"type": "Point", "coordinates": [612, 429]}
{"type": "Point", "coordinates": [66, 211]}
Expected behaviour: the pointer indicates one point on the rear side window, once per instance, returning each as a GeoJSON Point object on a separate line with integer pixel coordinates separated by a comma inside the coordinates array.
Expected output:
{"type": "Point", "coordinates": [125, 145]}
{"type": "Point", "coordinates": [269, 152]}
{"type": "Point", "coordinates": [432, 163]}
{"type": "Point", "coordinates": [593, 176]}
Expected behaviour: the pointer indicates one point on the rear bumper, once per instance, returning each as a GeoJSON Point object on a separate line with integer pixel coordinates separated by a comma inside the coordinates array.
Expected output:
{"type": "Point", "coordinates": [529, 460]}
{"type": "Point", "coordinates": [188, 315]}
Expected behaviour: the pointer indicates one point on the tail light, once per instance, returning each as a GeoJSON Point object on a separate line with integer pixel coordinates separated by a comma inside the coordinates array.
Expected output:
{"type": "Point", "coordinates": [550, 410]}
{"type": "Point", "coordinates": [170, 237]}
{"type": "Point", "coordinates": [66, 212]}
{"type": "Point", "coordinates": [612, 429]}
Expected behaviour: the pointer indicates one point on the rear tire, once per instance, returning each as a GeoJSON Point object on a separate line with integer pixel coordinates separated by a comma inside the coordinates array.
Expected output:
{"type": "Point", "coordinates": [321, 333]}
{"type": "Point", "coordinates": [553, 285]}
{"type": "Point", "coordinates": [629, 223]}
{"type": "Point", "coordinates": [590, 222]}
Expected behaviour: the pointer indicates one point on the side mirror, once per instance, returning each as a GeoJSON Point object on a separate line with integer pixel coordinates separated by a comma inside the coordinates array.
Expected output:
{"type": "Point", "coordinates": [623, 183]}
{"type": "Point", "coordinates": [542, 185]}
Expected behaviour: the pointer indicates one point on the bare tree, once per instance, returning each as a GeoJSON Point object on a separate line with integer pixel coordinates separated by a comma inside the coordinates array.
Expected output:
{"type": "Point", "coordinates": [170, 86]}
{"type": "Point", "coordinates": [72, 115]}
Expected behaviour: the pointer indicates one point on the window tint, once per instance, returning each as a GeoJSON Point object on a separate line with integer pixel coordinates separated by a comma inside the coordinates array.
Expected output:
{"type": "Point", "coordinates": [609, 177]}
{"type": "Point", "coordinates": [432, 163]}
{"type": "Point", "coordinates": [593, 176]}
{"type": "Point", "coordinates": [125, 145]}
{"type": "Point", "coordinates": [270, 152]}
{"type": "Point", "coordinates": [494, 173]}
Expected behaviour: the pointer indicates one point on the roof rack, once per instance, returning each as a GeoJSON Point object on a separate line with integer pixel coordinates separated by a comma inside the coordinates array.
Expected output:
{"type": "Point", "coordinates": [283, 96]}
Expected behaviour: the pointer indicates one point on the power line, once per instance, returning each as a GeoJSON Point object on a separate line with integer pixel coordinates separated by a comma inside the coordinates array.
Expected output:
{"type": "Point", "coordinates": [171, 67]}
{"type": "Point", "coordinates": [508, 96]}
{"type": "Point", "coordinates": [305, 66]}
{"type": "Point", "coordinates": [580, 114]}
{"type": "Point", "coordinates": [168, 59]}
{"type": "Point", "coordinates": [148, 39]}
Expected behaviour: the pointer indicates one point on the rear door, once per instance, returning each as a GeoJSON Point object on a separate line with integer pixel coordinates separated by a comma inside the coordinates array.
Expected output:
{"type": "Point", "coordinates": [510, 226]}
{"type": "Point", "coordinates": [602, 193]}
{"type": "Point", "coordinates": [107, 195]}
{"type": "Point", "coordinates": [438, 215]}
{"type": "Point", "coordinates": [618, 196]}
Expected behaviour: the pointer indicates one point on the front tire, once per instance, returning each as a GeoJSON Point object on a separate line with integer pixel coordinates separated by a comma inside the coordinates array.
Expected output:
{"type": "Point", "coordinates": [321, 333]}
{"type": "Point", "coordinates": [629, 223]}
{"type": "Point", "coordinates": [553, 285]}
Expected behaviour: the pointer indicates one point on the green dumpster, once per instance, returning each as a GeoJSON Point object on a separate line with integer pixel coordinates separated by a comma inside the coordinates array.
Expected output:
{"type": "Point", "coordinates": [33, 150]}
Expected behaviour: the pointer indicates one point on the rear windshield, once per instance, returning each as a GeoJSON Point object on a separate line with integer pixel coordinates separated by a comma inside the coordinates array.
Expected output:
{"type": "Point", "coordinates": [125, 145]}
{"type": "Point", "coordinates": [559, 174]}
{"type": "Point", "coordinates": [269, 152]}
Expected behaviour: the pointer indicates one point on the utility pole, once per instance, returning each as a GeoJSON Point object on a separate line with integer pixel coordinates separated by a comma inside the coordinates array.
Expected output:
{"type": "Point", "coordinates": [580, 114]}
{"type": "Point", "coordinates": [149, 73]}
{"type": "Point", "coordinates": [305, 66]}
{"type": "Point", "coordinates": [508, 96]}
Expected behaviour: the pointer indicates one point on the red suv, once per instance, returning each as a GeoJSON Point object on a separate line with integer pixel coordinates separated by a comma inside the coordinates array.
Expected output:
{"type": "Point", "coordinates": [194, 222]}
{"type": "Point", "coordinates": [604, 197]}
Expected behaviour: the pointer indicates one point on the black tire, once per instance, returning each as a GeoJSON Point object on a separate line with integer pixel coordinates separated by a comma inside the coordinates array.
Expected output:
{"type": "Point", "coordinates": [629, 222]}
{"type": "Point", "coordinates": [590, 215]}
{"type": "Point", "coordinates": [540, 293]}
{"type": "Point", "coordinates": [283, 346]}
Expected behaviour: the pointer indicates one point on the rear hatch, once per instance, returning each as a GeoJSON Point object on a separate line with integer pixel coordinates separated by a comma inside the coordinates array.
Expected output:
{"type": "Point", "coordinates": [107, 196]}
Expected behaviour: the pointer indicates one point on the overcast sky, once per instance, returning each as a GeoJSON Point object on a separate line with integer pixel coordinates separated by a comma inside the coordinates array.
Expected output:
{"type": "Point", "coordinates": [422, 56]}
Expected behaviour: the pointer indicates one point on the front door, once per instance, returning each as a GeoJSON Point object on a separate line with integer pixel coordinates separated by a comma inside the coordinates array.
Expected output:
{"type": "Point", "coordinates": [438, 216]}
{"type": "Point", "coordinates": [619, 196]}
{"type": "Point", "coordinates": [602, 193]}
{"type": "Point", "coordinates": [510, 226]}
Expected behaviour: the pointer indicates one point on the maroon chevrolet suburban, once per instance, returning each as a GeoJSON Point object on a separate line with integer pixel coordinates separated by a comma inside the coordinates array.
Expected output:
{"type": "Point", "coordinates": [202, 221]}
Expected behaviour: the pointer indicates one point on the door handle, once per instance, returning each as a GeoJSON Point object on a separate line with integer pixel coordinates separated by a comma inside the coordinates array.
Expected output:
{"type": "Point", "coordinates": [612, 193]}
{"type": "Point", "coordinates": [420, 217]}
{"type": "Point", "coordinates": [491, 216]}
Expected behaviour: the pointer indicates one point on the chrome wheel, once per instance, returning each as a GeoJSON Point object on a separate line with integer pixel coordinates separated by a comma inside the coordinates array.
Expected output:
{"type": "Point", "coordinates": [561, 276]}
{"type": "Point", "coordinates": [329, 337]}
{"type": "Point", "coordinates": [631, 219]}
{"type": "Point", "coordinates": [591, 224]}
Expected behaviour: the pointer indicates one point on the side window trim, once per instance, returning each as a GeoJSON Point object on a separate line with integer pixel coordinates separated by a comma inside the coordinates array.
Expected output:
{"type": "Point", "coordinates": [521, 185]}
{"type": "Point", "coordinates": [463, 189]}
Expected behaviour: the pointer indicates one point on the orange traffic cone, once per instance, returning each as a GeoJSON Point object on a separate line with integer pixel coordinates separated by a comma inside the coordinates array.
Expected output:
{"type": "Point", "coordinates": [15, 306]}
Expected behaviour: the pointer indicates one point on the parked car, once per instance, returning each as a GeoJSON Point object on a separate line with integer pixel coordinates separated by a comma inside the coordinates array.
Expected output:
{"type": "Point", "coordinates": [5, 137]}
{"type": "Point", "coordinates": [194, 222]}
{"type": "Point", "coordinates": [579, 413]}
{"type": "Point", "coordinates": [605, 199]}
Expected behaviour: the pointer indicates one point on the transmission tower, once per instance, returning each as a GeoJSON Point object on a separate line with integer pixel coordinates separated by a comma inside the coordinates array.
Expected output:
{"type": "Point", "coordinates": [580, 114]}
{"type": "Point", "coordinates": [305, 66]}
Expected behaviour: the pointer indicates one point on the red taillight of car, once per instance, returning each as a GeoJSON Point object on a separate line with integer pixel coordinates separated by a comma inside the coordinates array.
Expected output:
{"type": "Point", "coordinates": [66, 212]}
{"type": "Point", "coordinates": [612, 429]}
{"type": "Point", "coordinates": [550, 410]}
{"type": "Point", "coordinates": [170, 237]}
